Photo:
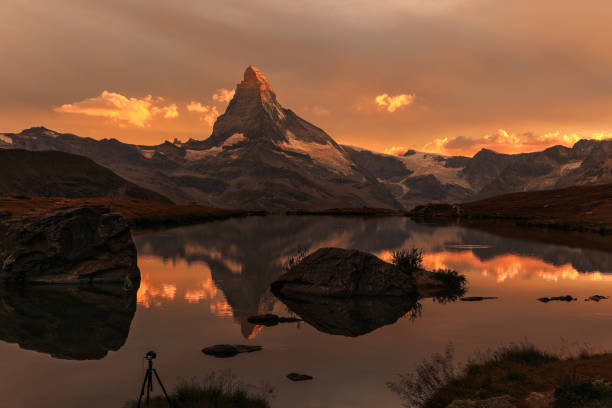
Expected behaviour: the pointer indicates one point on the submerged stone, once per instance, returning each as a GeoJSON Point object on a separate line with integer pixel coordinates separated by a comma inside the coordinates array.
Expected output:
{"type": "Point", "coordinates": [566, 298]}
{"type": "Point", "coordinates": [299, 377]}
{"type": "Point", "coordinates": [229, 350]}
{"type": "Point", "coordinates": [477, 298]}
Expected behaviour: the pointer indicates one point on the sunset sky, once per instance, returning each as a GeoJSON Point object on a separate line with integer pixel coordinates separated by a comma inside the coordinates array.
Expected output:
{"type": "Point", "coordinates": [450, 76]}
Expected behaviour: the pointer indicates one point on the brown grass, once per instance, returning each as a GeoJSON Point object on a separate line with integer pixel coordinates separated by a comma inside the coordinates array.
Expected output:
{"type": "Point", "coordinates": [138, 213]}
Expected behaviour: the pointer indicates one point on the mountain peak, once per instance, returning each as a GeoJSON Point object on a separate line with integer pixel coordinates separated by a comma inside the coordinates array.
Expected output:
{"type": "Point", "coordinates": [254, 78]}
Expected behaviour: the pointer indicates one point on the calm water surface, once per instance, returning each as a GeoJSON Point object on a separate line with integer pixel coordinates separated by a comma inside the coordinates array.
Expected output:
{"type": "Point", "coordinates": [68, 348]}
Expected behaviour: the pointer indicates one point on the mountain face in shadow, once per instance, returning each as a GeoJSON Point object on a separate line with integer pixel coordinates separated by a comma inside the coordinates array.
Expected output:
{"type": "Point", "coordinates": [66, 322]}
{"type": "Point", "coordinates": [58, 174]}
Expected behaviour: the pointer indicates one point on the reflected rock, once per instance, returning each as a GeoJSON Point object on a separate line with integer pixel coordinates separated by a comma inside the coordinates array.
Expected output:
{"type": "Point", "coordinates": [66, 322]}
{"type": "Point", "coordinates": [352, 317]}
{"type": "Point", "coordinates": [75, 245]}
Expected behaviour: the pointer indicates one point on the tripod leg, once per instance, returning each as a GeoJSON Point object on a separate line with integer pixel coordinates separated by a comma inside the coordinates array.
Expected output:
{"type": "Point", "coordinates": [163, 388]}
{"type": "Point", "coordinates": [142, 389]}
{"type": "Point", "coordinates": [149, 387]}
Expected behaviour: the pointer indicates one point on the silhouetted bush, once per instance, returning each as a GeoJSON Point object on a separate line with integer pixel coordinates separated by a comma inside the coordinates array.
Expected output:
{"type": "Point", "coordinates": [408, 261]}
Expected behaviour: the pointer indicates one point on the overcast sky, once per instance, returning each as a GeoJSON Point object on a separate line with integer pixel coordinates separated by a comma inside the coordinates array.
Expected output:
{"type": "Point", "coordinates": [442, 75]}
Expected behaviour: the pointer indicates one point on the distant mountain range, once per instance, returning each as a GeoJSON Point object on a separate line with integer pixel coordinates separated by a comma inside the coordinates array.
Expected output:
{"type": "Point", "coordinates": [59, 174]}
{"type": "Point", "coordinates": [263, 156]}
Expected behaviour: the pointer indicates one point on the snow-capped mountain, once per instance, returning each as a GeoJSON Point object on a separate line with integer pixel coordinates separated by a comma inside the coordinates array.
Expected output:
{"type": "Point", "coordinates": [263, 156]}
{"type": "Point", "coordinates": [420, 178]}
{"type": "Point", "coordinates": [260, 155]}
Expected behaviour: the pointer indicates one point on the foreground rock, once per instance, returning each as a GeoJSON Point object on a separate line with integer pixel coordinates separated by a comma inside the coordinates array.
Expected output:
{"type": "Point", "coordinates": [77, 245]}
{"type": "Point", "coordinates": [67, 321]}
{"type": "Point", "coordinates": [341, 272]}
{"type": "Point", "coordinates": [299, 377]}
{"type": "Point", "coordinates": [229, 350]}
{"type": "Point", "coordinates": [271, 319]}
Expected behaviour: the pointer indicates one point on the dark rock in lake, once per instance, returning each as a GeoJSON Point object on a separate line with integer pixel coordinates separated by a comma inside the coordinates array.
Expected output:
{"type": "Point", "coordinates": [477, 298]}
{"type": "Point", "coordinates": [595, 298]}
{"type": "Point", "coordinates": [343, 273]}
{"type": "Point", "coordinates": [351, 317]}
{"type": "Point", "coordinates": [271, 319]}
{"type": "Point", "coordinates": [566, 298]}
{"type": "Point", "coordinates": [75, 245]}
{"type": "Point", "coordinates": [299, 377]}
{"type": "Point", "coordinates": [229, 350]}
{"type": "Point", "coordinates": [66, 321]}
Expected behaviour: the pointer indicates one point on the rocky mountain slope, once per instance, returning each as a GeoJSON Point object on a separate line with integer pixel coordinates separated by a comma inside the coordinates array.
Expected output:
{"type": "Point", "coordinates": [419, 178]}
{"type": "Point", "coordinates": [263, 156]}
{"type": "Point", "coordinates": [59, 174]}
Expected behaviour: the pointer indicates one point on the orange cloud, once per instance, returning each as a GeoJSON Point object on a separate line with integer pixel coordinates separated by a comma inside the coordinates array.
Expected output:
{"type": "Point", "coordinates": [505, 142]}
{"type": "Point", "coordinates": [393, 103]}
{"type": "Point", "coordinates": [112, 105]}
{"type": "Point", "coordinates": [207, 113]}
{"type": "Point", "coordinates": [223, 95]}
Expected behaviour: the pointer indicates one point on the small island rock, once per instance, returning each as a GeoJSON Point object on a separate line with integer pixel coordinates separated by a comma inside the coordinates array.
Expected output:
{"type": "Point", "coordinates": [299, 377]}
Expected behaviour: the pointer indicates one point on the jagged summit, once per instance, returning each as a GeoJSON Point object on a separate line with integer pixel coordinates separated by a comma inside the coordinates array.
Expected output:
{"type": "Point", "coordinates": [255, 113]}
{"type": "Point", "coordinates": [253, 77]}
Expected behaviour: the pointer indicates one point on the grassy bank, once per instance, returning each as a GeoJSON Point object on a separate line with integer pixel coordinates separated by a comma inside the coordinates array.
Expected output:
{"type": "Point", "coordinates": [217, 390]}
{"type": "Point", "coordinates": [578, 208]}
{"type": "Point", "coordinates": [516, 371]}
{"type": "Point", "coordinates": [140, 214]}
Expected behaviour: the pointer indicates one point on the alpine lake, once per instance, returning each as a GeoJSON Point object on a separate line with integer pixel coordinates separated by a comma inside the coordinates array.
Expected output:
{"type": "Point", "coordinates": [66, 347]}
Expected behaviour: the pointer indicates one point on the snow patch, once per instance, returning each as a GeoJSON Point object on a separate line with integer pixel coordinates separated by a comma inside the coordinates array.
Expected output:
{"type": "Point", "coordinates": [234, 139]}
{"type": "Point", "coordinates": [325, 155]}
{"type": "Point", "coordinates": [423, 164]}
{"type": "Point", "coordinates": [6, 139]}
{"type": "Point", "coordinates": [566, 168]}
{"type": "Point", "coordinates": [147, 154]}
{"type": "Point", "coordinates": [192, 155]}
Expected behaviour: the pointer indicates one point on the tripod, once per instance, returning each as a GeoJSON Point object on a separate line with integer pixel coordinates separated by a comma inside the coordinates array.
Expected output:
{"type": "Point", "coordinates": [148, 380]}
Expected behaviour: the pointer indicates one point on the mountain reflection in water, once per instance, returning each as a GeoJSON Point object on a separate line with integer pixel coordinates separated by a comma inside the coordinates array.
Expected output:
{"type": "Point", "coordinates": [234, 273]}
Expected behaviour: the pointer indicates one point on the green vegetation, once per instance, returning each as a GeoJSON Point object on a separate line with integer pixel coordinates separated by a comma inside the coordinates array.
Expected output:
{"type": "Point", "coordinates": [218, 390]}
{"type": "Point", "coordinates": [516, 370]}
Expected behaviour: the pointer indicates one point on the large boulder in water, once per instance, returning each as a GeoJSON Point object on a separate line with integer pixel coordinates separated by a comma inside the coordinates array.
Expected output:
{"type": "Point", "coordinates": [76, 245]}
{"type": "Point", "coordinates": [344, 273]}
